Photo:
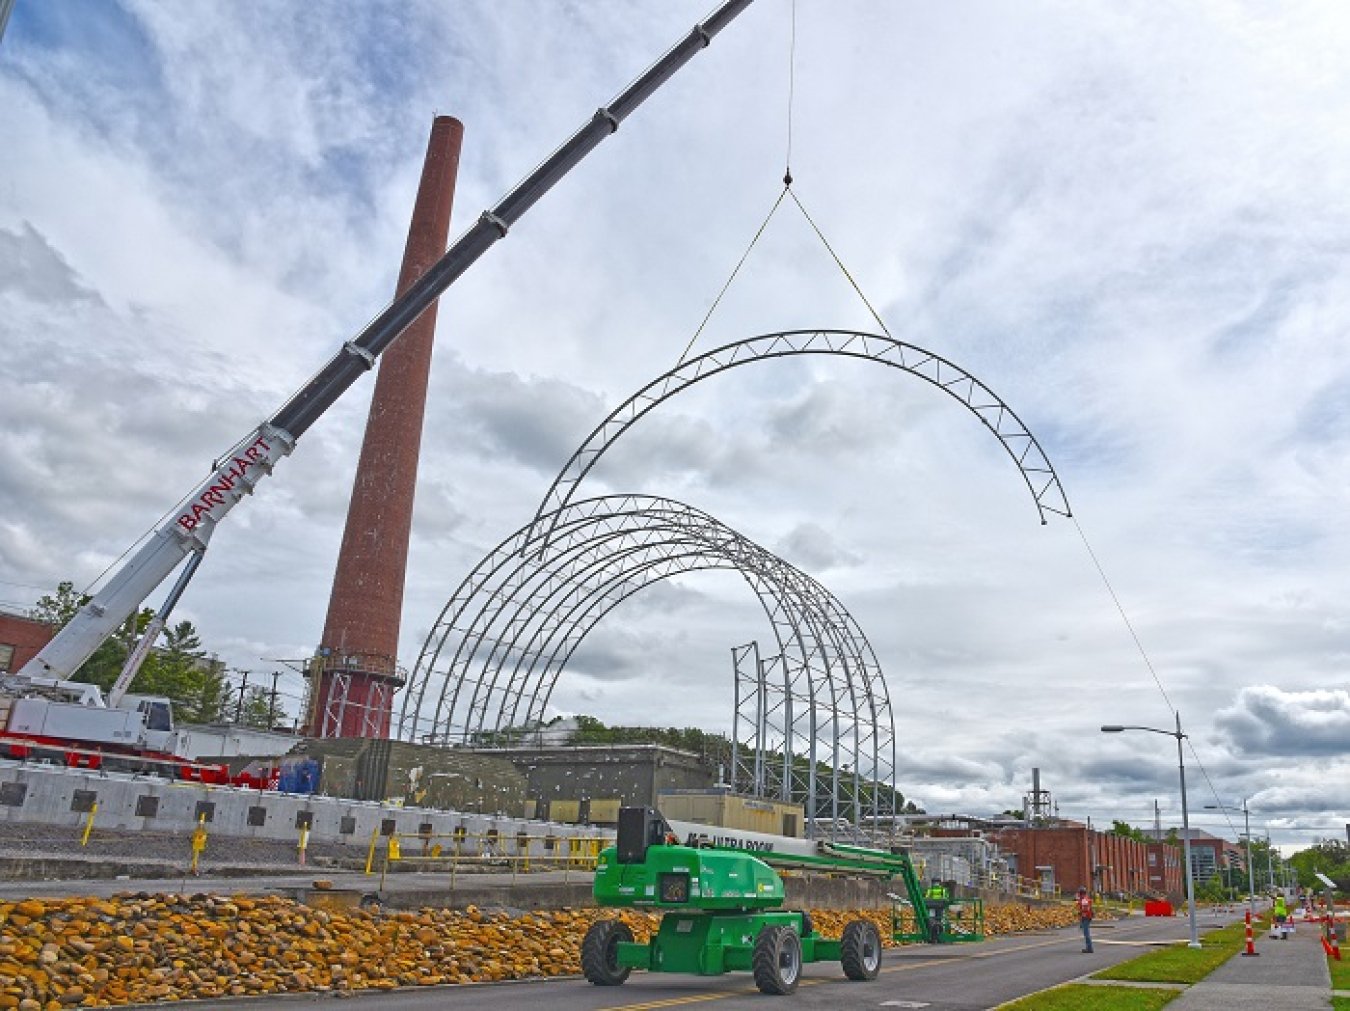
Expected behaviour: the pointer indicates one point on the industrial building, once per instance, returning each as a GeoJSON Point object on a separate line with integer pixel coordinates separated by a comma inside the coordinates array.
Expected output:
{"type": "Point", "coordinates": [20, 639]}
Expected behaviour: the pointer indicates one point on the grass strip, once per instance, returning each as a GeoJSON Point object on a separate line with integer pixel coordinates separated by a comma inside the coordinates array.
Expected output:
{"type": "Point", "coordinates": [1086, 997]}
{"type": "Point", "coordinates": [1340, 980]}
{"type": "Point", "coordinates": [1340, 973]}
{"type": "Point", "coordinates": [1179, 963]}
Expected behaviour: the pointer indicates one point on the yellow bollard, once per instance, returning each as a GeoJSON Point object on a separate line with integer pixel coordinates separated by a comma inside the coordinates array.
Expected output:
{"type": "Point", "coordinates": [89, 825]}
{"type": "Point", "coordinates": [370, 856]}
{"type": "Point", "coordinates": [198, 841]}
{"type": "Point", "coordinates": [304, 841]}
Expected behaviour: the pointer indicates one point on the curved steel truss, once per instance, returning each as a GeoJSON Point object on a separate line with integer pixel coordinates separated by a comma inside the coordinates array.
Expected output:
{"type": "Point", "coordinates": [500, 644]}
{"type": "Point", "coordinates": [953, 380]}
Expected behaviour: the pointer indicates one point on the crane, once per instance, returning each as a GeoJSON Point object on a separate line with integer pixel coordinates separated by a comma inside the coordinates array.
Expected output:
{"type": "Point", "coordinates": [187, 531]}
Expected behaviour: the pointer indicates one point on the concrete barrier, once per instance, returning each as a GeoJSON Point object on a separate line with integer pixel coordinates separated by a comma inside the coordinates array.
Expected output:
{"type": "Point", "coordinates": [53, 795]}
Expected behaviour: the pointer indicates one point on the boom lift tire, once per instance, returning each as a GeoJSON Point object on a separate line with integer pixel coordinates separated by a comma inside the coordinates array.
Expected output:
{"type": "Point", "coordinates": [600, 951]}
{"type": "Point", "coordinates": [860, 950]}
{"type": "Point", "coordinates": [777, 961]}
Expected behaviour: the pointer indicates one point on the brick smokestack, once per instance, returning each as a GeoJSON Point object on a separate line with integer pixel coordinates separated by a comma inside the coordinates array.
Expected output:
{"type": "Point", "coordinates": [355, 672]}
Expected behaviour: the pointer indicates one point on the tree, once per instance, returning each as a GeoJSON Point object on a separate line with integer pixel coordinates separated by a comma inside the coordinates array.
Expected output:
{"type": "Point", "coordinates": [1329, 856]}
{"type": "Point", "coordinates": [108, 660]}
{"type": "Point", "coordinates": [1128, 831]}
{"type": "Point", "coordinates": [180, 669]}
{"type": "Point", "coordinates": [1212, 890]}
{"type": "Point", "coordinates": [59, 607]}
{"type": "Point", "coordinates": [256, 709]}
{"type": "Point", "coordinates": [177, 667]}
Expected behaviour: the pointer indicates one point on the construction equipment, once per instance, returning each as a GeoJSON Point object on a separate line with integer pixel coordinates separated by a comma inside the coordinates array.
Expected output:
{"type": "Point", "coordinates": [188, 529]}
{"type": "Point", "coordinates": [720, 891]}
{"type": "Point", "coordinates": [72, 723]}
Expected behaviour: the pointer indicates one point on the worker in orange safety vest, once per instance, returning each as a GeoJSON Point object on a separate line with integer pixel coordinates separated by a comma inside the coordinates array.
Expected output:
{"type": "Point", "coordinates": [1085, 918]}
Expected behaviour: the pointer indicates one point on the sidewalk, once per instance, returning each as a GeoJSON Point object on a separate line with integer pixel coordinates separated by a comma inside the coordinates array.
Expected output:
{"type": "Point", "coordinates": [1284, 976]}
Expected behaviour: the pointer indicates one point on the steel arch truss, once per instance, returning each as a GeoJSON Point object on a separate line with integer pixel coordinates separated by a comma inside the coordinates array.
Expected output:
{"type": "Point", "coordinates": [490, 664]}
{"type": "Point", "coordinates": [948, 377]}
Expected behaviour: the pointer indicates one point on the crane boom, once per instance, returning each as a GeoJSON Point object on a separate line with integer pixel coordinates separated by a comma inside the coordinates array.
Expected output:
{"type": "Point", "coordinates": [189, 529]}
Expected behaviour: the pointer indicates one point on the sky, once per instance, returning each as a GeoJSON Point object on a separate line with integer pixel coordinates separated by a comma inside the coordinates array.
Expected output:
{"type": "Point", "coordinates": [1131, 222]}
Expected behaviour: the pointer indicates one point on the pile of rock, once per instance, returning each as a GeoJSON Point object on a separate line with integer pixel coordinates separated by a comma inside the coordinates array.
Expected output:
{"type": "Point", "coordinates": [136, 948]}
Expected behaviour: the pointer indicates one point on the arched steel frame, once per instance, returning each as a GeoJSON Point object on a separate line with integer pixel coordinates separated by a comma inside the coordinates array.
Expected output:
{"type": "Point", "coordinates": [498, 647]}
{"type": "Point", "coordinates": [947, 376]}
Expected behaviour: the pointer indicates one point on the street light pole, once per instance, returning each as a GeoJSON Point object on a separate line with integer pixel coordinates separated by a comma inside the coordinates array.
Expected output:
{"type": "Point", "coordinates": [1246, 849]}
{"type": "Point", "coordinates": [1186, 835]}
{"type": "Point", "coordinates": [1185, 817]}
{"type": "Point", "coordinates": [1251, 864]}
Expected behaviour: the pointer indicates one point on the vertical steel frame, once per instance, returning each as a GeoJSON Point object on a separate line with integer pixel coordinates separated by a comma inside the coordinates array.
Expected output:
{"type": "Point", "coordinates": [491, 662]}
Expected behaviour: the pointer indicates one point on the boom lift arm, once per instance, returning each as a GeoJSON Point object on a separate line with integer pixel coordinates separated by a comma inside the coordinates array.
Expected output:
{"type": "Point", "coordinates": [720, 898]}
{"type": "Point", "coordinates": [190, 528]}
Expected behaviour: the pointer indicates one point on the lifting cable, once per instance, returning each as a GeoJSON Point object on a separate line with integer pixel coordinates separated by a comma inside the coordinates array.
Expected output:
{"type": "Point", "coordinates": [787, 191]}
{"type": "Point", "coordinates": [1124, 617]}
{"type": "Point", "coordinates": [1151, 669]}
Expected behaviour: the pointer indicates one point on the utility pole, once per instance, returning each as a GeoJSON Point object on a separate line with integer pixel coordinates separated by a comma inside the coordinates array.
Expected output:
{"type": "Point", "coordinates": [272, 701]}
{"type": "Point", "coordinates": [239, 708]}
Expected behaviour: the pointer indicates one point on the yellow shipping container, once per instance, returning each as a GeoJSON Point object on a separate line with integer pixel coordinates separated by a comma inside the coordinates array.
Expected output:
{"type": "Point", "coordinates": [605, 810]}
{"type": "Point", "coordinates": [564, 810]}
{"type": "Point", "coordinates": [752, 814]}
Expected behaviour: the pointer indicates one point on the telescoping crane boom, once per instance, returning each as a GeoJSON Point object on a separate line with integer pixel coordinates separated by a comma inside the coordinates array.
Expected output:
{"type": "Point", "coordinates": [188, 530]}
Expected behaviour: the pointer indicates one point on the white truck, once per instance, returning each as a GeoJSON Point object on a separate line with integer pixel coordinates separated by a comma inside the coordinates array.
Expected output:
{"type": "Point", "coordinates": [71, 723]}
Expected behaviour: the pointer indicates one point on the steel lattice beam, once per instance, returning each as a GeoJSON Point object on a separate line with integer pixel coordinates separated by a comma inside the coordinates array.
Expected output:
{"type": "Point", "coordinates": [950, 378]}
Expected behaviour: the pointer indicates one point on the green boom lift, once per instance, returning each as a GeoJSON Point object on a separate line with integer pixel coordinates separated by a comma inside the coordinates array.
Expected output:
{"type": "Point", "coordinates": [721, 895]}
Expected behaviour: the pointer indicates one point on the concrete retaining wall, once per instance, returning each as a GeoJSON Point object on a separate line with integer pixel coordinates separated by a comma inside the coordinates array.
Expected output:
{"type": "Point", "coordinates": [59, 796]}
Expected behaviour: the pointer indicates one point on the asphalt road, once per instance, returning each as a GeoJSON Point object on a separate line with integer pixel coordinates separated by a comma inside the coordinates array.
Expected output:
{"type": "Point", "coordinates": [965, 977]}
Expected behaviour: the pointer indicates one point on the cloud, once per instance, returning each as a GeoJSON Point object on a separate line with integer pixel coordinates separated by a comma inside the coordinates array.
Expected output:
{"type": "Point", "coordinates": [528, 421]}
{"type": "Point", "coordinates": [1267, 721]}
{"type": "Point", "coordinates": [36, 272]}
{"type": "Point", "coordinates": [812, 548]}
{"type": "Point", "coordinates": [1130, 225]}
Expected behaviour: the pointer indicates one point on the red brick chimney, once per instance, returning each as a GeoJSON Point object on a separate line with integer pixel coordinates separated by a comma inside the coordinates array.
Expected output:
{"type": "Point", "coordinates": [355, 671]}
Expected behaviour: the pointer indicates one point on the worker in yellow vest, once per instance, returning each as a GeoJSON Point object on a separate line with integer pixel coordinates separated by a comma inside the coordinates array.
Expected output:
{"type": "Point", "coordinates": [937, 900]}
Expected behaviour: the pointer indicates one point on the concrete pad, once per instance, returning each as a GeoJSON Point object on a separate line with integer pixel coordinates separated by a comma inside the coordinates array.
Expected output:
{"type": "Point", "coordinates": [1240, 996]}
{"type": "Point", "coordinates": [1287, 975]}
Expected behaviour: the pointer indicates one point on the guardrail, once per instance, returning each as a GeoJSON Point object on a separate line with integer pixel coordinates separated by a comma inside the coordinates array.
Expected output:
{"type": "Point", "coordinates": [1013, 885]}
{"type": "Point", "coordinates": [453, 852]}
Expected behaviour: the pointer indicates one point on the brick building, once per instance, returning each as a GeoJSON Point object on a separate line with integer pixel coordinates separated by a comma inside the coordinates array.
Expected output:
{"type": "Point", "coordinates": [1210, 854]}
{"type": "Point", "coordinates": [1070, 855]}
{"type": "Point", "coordinates": [20, 639]}
{"type": "Point", "coordinates": [1164, 869]}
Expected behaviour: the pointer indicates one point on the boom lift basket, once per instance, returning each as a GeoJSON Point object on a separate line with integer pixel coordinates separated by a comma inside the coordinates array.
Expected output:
{"type": "Point", "coordinates": [948, 922]}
